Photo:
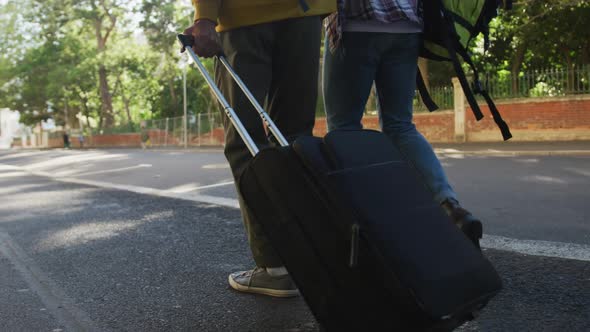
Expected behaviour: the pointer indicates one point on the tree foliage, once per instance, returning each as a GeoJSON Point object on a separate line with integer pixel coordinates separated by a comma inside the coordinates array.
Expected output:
{"type": "Point", "coordinates": [541, 33]}
{"type": "Point", "coordinates": [533, 34]}
{"type": "Point", "coordinates": [107, 63]}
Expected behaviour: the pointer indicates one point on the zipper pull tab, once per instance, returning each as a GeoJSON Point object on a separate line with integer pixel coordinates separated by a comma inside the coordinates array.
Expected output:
{"type": "Point", "coordinates": [354, 246]}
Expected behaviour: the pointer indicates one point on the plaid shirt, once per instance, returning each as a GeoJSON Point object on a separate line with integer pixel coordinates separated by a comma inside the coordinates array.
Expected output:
{"type": "Point", "coordinates": [386, 11]}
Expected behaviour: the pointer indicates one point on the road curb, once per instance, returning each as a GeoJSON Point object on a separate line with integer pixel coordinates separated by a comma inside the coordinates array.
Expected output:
{"type": "Point", "coordinates": [516, 153]}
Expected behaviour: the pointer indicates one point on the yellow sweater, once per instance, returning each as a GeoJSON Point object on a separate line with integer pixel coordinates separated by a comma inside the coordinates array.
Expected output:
{"type": "Point", "coordinates": [231, 14]}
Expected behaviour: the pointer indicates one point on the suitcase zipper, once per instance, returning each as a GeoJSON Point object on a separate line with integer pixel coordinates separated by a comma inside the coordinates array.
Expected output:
{"type": "Point", "coordinates": [354, 246]}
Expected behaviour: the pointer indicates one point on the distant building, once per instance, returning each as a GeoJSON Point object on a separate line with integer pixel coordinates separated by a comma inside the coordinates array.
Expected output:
{"type": "Point", "coordinates": [9, 127]}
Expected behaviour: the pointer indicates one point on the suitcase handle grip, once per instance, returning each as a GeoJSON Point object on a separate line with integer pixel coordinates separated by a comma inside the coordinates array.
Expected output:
{"type": "Point", "coordinates": [187, 42]}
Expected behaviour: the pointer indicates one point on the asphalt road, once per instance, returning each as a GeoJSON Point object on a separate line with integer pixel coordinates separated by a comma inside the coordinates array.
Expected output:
{"type": "Point", "coordinates": [131, 240]}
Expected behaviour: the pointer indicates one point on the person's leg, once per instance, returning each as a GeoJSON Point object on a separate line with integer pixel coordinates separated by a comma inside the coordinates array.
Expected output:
{"type": "Point", "coordinates": [395, 83]}
{"type": "Point", "coordinates": [249, 52]}
{"type": "Point", "coordinates": [291, 103]}
{"type": "Point", "coordinates": [396, 87]}
{"type": "Point", "coordinates": [292, 98]}
{"type": "Point", "coordinates": [349, 73]}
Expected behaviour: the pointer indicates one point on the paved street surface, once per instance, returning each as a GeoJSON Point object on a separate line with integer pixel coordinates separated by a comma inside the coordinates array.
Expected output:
{"type": "Point", "coordinates": [132, 240]}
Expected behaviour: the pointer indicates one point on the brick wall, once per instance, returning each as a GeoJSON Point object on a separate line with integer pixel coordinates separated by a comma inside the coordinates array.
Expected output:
{"type": "Point", "coordinates": [542, 119]}
{"type": "Point", "coordinates": [215, 137]}
{"type": "Point", "coordinates": [110, 140]}
{"type": "Point", "coordinates": [437, 126]}
{"type": "Point", "coordinates": [56, 143]}
{"type": "Point", "coordinates": [118, 140]}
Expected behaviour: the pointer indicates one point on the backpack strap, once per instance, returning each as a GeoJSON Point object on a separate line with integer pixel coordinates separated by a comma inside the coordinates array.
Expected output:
{"type": "Point", "coordinates": [424, 94]}
{"type": "Point", "coordinates": [506, 134]}
{"type": "Point", "coordinates": [464, 23]}
{"type": "Point", "coordinates": [479, 89]}
{"type": "Point", "coordinates": [450, 45]}
{"type": "Point", "coordinates": [469, 93]}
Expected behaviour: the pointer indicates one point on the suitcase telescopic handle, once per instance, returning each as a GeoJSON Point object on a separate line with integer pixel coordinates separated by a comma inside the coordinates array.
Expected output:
{"type": "Point", "coordinates": [187, 42]}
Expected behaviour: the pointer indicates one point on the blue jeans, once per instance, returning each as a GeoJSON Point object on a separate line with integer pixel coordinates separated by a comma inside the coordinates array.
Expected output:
{"type": "Point", "coordinates": [389, 60]}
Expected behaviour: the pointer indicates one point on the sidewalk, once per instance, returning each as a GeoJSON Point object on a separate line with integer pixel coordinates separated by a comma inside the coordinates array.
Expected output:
{"type": "Point", "coordinates": [516, 148]}
{"type": "Point", "coordinates": [482, 148]}
{"type": "Point", "coordinates": [471, 148]}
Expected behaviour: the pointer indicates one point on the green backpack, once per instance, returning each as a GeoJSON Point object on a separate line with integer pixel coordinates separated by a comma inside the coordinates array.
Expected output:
{"type": "Point", "coordinates": [449, 28]}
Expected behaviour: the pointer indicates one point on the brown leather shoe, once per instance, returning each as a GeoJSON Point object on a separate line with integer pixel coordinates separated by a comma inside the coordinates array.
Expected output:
{"type": "Point", "coordinates": [471, 226]}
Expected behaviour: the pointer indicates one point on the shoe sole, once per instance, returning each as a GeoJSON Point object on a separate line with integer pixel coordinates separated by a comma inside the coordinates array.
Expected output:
{"type": "Point", "coordinates": [263, 291]}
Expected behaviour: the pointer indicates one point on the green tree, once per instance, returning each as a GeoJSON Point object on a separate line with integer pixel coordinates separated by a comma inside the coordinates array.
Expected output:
{"type": "Point", "coordinates": [540, 33]}
{"type": "Point", "coordinates": [102, 16]}
{"type": "Point", "coordinates": [162, 21]}
{"type": "Point", "coordinates": [160, 26]}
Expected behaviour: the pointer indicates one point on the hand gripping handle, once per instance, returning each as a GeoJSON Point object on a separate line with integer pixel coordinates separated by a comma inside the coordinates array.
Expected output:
{"type": "Point", "coordinates": [187, 42]}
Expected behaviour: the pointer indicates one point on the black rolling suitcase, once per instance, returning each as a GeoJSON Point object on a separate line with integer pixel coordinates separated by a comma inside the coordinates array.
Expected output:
{"type": "Point", "coordinates": [359, 233]}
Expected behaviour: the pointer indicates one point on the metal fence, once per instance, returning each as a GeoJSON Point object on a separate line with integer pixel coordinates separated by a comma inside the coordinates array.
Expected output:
{"type": "Point", "coordinates": [207, 129]}
{"type": "Point", "coordinates": [531, 84]}
{"type": "Point", "coordinates": [540, 83]}
{"type": "Point", "coordinates": [202, 130]}
{"type": "Point", "coordinates": [443, 96]}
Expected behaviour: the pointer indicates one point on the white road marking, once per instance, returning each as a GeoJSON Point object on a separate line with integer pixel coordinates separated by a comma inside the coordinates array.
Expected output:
{"type": "Point", "coordinates": [23, 154]}
{"type": "Point", "coordinates": [220, 184]}
{"type": "Point", "coordinates": [4, 167]}
{"type": "Point", "coordinates": [528, 247]}
{"type": "Point", "coordinates": [543, 179]}
{"type": "Point", "coordinates": [512, 153]}
{"type": "Point", "coordinates": [185, 188]}
{"type": "Point", "coordinates": [216, 166]}
{"type": "Point", "coordinates": [575, 251]}
{"type": "Point", "coordinates": [114, 170]}
{"type": "Point", "coordinates": [182, 194]}
{"type": "Point", "coordinates": [12, 174]}
{"type": "Point", "coordinates": [53, 297]}
{"type": "Point", "coordinates": [222, 201]}
{"type": "Point", "coordinates": [527, 161]}
{"type": "Point", "coordinates": [68, 160]}
{"type": "Point", "coordinates": [579, 171]}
